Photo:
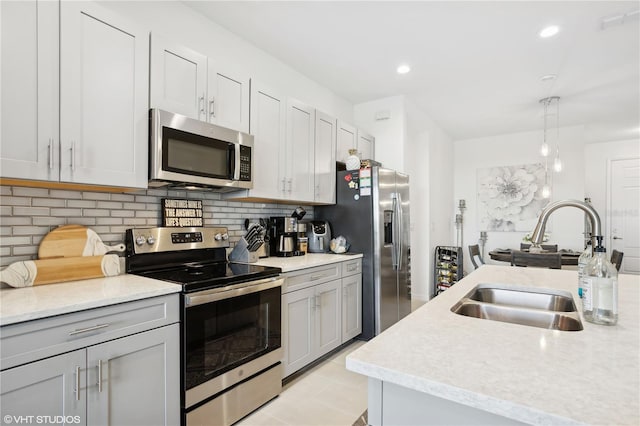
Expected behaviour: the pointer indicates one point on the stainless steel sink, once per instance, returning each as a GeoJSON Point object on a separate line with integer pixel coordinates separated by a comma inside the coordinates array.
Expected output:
{"type": "Point", "coordinates": [544, 308]}
{"type": "Point", "coordinates": [547, 299]}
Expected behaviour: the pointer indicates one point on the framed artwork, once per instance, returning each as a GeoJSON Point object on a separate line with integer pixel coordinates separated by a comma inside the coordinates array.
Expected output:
{"type": "Point", "coordinates": [510, 197]}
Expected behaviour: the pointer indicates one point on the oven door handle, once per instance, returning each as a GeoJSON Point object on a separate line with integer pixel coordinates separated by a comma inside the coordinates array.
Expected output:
{"type": "Point", "coordinates": [214, 295]}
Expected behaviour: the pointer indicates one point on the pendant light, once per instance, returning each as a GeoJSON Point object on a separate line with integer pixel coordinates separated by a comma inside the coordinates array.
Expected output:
{"type": "Point", "coordinates": [552, 101]}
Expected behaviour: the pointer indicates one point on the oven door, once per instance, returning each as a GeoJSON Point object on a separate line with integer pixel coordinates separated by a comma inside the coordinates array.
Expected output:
{"type": "Point", "coordinates": [224, 330]}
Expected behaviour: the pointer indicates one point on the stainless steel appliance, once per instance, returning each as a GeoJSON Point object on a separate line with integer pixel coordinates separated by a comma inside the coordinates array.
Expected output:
{"type": "Point", "coordinates": [184, 152]}
{"type": "Point", "coordinates": [284, 236]}
{"type": "Point", "coordinates": [319, 235]}
{"type": "Point", "coordinates": [230, 320]}
{"type": "Point", "coordinates": [372, 213]}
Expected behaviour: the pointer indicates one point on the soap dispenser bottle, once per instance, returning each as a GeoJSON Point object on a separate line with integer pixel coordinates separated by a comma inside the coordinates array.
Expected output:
{"type": "Point", "coordinates": [582, 266]}
{"type": "Point", "coordinates": [600, 289]}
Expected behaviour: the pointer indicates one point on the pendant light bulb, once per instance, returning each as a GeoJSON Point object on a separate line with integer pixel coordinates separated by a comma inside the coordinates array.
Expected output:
{"type": "Point", "coordinates": [544, 149]}
{"type": "Point", "coordinates": [557, 164]}
{"type": "Point", "coordinates": [546, 191]}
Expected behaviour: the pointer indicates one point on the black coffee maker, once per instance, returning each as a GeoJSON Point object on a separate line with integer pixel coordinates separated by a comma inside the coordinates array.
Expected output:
{"type": "Point", "coordinates": [284, 234]}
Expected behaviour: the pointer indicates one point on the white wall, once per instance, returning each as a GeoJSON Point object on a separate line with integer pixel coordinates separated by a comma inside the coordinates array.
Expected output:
{"type": "Point", "coordinates": [565, 226]}
{"type": "Point", "coordinates": [389, 133]}
{"type": "Point", "coordinates": [181, 24]}
{"type": "Point", "coordinates": [429, 160]}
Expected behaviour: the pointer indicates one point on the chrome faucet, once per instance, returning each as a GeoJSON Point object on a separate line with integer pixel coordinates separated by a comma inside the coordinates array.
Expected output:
{"type": "Point", "coordinates": [596, 229]}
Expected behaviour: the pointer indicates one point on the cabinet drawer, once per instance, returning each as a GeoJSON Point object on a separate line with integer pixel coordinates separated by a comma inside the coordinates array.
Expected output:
{"type": "Point", "coordinates": [352, 267]}
{"type": "Point", "coordinates": [311, 276]}
{"type": "Point", "coordinates": [33, 340]}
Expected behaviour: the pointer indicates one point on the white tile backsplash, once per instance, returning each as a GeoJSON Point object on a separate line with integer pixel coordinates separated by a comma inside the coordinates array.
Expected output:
{"type": "Point", "coordinates": [28, 214]}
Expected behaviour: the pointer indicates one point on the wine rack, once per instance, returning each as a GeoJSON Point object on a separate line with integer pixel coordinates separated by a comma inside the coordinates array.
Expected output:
{"type": "Point", "coordinates": [447, 267]}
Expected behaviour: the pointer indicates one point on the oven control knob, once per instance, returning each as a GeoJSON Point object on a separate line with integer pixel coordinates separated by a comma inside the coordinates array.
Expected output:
{"type": "Point", "coordinates": [151, 240]}
{"type": "Point", "coordinates": [140, 240]}
{"type": "Point", "coordinates": [225, 236]}
{"type": "Point", "coordinates": [217, 237]}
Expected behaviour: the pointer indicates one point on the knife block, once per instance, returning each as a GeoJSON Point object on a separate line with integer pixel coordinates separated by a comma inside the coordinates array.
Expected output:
{"type": "Point", "coordinates": [240, 253]}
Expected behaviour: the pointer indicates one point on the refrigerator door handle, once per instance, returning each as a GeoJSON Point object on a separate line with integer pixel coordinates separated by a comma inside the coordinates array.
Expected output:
{"type": "Point", "coordinates": [394, 232]}
{"type": "Point", "coordinates": [400, 219]}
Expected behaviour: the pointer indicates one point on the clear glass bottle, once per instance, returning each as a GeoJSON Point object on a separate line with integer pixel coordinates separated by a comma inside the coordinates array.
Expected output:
{"type": "Point", "coordinates": [600, 289]}
{"type": "Point", "coordinates": [582, 264]}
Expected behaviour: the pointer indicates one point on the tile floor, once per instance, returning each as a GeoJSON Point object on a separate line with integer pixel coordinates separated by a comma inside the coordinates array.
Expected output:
{"type": "Point", "coordinates": [326, 395]}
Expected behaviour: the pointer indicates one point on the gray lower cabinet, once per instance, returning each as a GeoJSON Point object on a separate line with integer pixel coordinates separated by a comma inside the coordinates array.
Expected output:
{"type": "Point", "coordinates": [45, 388]}
{"type": "Point", "coordinates": [128, 380]}
{"type": "Point", "coordinates": [320, 311]}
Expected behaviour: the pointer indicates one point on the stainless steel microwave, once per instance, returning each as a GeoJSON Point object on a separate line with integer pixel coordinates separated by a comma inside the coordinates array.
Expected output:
{"type": "Point", "coordinates": [184, 152]}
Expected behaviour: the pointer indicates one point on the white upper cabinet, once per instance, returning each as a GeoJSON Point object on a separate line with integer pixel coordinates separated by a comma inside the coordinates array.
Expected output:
{"type": "Point", "coordinates": [187, 82]}
{"type": "Point", "coordinates": [74, 94]}
{"type": "Point", "coordinates": [298, 166]}
{"type": "Point", "coordinates": [178, 79]}
{"type": "Point", "coordinates": [104, 76]}
{"type": "Point", "coordinates": [347, 138]}
{"type": "Point", "coordinates": [29, 126]}
{"type": "Point", "coordinates": [366, 144]}
{"type": "Point", "coordinates": [325, 159]}
{"type": "Point", "coordinates": [228, 97]}
{"type": "Point", "coordinates": [268, 120]}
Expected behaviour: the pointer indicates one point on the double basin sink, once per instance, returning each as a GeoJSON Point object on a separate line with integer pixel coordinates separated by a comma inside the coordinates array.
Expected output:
{"type": "Point", "coordinates": [544, 308]}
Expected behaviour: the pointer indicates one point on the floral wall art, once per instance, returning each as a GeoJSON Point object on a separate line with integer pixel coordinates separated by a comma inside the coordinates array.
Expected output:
{"type": "Point", "coordinates": [510, 197]}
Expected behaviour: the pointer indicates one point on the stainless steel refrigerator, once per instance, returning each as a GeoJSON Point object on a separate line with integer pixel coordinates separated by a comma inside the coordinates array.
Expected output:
{"type": "Point", "coordinates": [372, 213]}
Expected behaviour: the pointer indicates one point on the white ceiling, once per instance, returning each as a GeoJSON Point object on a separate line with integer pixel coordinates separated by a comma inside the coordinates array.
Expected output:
{"type": "Point", "coordinates": [476, 65]}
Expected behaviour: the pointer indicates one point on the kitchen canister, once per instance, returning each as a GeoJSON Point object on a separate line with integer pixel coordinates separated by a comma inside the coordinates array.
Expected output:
{"type": "Point", "coordinates": [353, 162]}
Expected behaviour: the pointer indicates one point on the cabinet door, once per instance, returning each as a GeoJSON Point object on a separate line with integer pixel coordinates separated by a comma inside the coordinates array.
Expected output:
{"type": "Point", "coordinates": [300, 152]}
{"type": "Point", "coordinates": [51, 387]}
{"type": "Point", "coordinates": [178, 79]}
{"type": "Point", "coordinates": [325, 158]}
{"type": "Point", "coordinates": [228, 97]}
{"type": "Point", "coordinates": [366, 144]}
{"type": "Point", "coordinates": [328, 316]}
{"type": "Point", "coordinates": [351, 307]}
{"type": "Point", "coordinates": [29, 90]}
{"type": "Point", "coordinates": [268, 116]}
{"type": "Point", "coordinates": [347, 138]}
{"type": "Point", "coordinates": [143, 367]}
{"type": "Point", "coordinates": [298, 310]}
{"type": "Point", "coordinates": [104, 78]}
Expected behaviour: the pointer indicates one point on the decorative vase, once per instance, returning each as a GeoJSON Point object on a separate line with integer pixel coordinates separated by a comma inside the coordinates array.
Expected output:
{"type": "Point", "coordinates": [353, 162]}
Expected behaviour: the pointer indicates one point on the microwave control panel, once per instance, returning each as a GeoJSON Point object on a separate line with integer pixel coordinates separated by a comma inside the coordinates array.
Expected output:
{"type": "Point", "coordinates": [245, 163]}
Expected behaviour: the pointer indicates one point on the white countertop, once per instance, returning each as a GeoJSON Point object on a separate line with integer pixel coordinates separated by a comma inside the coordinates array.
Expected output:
{"type": "Point", "coordinates": [29, 303]}
{"type": "Point", "coordinates": [528, 374]}
{"type": "Point", "coordinates": [309, 260]}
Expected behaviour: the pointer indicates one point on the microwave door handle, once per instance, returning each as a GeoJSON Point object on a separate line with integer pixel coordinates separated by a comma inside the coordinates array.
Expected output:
{"type": "Point", "coordinates": [236, 161]}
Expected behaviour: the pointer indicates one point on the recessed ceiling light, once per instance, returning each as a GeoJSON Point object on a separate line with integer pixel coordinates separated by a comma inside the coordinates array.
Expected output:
{"type": "Point", "coordinates": [403, 69]}
{"type": "Point", "coordinates": [549, 31]}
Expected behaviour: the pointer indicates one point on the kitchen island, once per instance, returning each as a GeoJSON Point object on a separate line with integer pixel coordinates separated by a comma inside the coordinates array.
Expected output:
{"type": "Point", "coordinates": [438, 367]}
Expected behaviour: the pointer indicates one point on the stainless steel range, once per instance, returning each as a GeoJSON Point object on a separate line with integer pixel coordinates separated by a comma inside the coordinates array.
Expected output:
{"type": "Point", "coordinates": [230, 324]}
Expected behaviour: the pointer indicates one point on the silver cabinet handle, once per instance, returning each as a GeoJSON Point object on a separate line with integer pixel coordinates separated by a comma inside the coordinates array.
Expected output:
{"type": "Point", "coordinates": [88, 329]}
{"type": "Point", "coordinates": [77, 388]}
{"type": "Point", "coordinates": [99, 375]}
{"type": "Point", "coordinates": [73, 156]}
{"type": "Point", "coordinates": [283, 185]}
{"type": "Point", "coordinates": [617, 238]}
{"type": "Point", "coordinates": [317, 301]}
{"type": "Point", "coordinates": [290, 181]}
{"type": "Point", "coordinates": [201, 106]}
{"type": "Point", "coordinates": [50, 153]}
{"type": "Point", "coordinates": [212, 111]}
{"type": "Point", "coordinates": [316, 277]}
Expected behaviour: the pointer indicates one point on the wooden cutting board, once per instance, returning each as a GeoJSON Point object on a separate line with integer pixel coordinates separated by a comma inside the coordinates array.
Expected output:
{"type": "Point", "coordinates": [47, 271]}
{"type": "Point", "coordinates": [73, 241]}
